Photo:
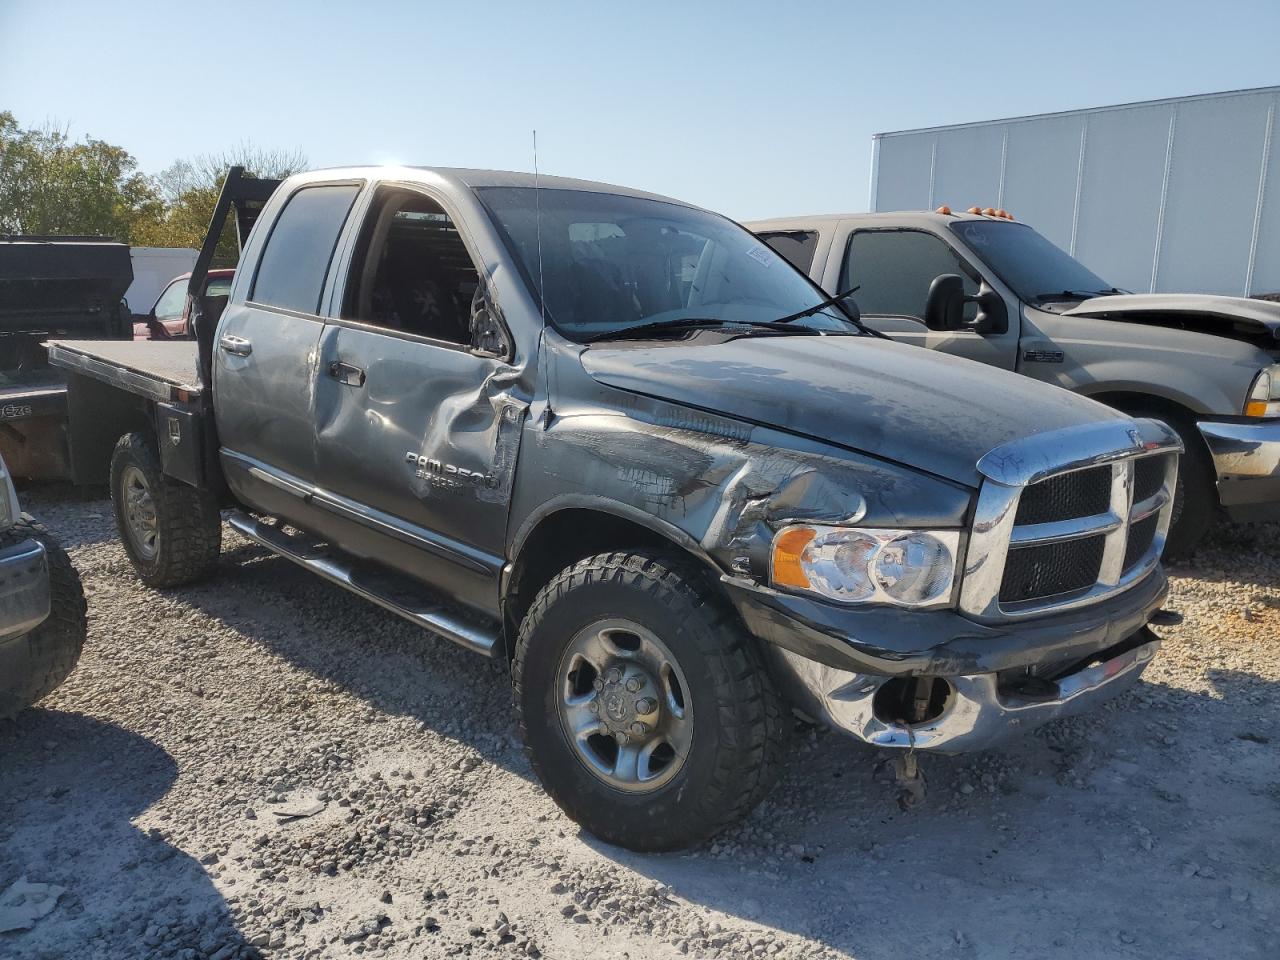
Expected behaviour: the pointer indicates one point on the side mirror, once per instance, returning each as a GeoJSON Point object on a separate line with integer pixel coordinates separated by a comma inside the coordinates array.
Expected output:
{"type": "Point", "coordinates": [944, 307]}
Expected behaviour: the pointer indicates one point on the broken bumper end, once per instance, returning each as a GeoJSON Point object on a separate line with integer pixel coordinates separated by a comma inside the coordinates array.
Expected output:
{"type": "Point", "coordinates": [977, 712]}
{"type": "Point", "coordinates": [1246, 457]}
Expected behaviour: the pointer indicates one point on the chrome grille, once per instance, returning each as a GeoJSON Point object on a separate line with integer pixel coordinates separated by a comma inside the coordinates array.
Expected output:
{"type": "Point", "coordinates": [1051, 569]}
{"type": "Point", "coordinates": [1064, 497]}
{"type": "Point", "coordinates": [1065, 520]}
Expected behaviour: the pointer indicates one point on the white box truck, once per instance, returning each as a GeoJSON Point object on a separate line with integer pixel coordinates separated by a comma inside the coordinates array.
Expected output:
{"type": "Point", "coordinates": [1179, 195]}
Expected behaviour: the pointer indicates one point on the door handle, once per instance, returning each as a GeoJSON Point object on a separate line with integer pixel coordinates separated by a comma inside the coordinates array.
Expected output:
{"type": "Point", "coordinates": [236, 345]}
{"type": "Point", "coordinates": [346, 373]}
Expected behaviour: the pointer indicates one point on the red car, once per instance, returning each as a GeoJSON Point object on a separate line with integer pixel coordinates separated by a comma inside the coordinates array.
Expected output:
{"type": "Point", "coordinates": [170, 318]}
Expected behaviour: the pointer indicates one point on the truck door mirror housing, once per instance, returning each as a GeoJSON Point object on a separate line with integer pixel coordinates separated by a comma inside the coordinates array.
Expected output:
{"type": "Point", "coordinates": [944, 307]}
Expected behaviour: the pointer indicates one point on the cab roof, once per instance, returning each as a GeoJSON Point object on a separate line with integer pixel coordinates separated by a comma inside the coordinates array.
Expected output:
{"type": "Point", "coordinates": [466, 179]}
{"type": "Point", "coordinates": [908, 218]}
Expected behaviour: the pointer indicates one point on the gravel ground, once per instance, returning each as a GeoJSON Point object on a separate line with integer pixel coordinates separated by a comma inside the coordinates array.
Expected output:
{"type": "Point", "coordinates": [150, 787]}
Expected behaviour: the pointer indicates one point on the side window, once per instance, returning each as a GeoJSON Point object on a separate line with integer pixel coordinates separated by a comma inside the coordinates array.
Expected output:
{"type": "Point", "coordinates": [412, 272]}
{"type": "Point", "coordinates": [894, 268]}
{"type": "Point", "coordinates": [292, 268]}
{"type": "Point", "coordinates": [797, 246]}
{"type": "Point", "coordinates": [169, 305]}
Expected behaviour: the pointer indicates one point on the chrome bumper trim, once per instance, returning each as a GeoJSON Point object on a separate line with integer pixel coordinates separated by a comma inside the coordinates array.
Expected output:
{"type": "Point", "coordinates": [24, 588]}
{"type": "Point", "coordinates": [977, 715]}
{"type": "Point", "coordinates": [1243, 449]}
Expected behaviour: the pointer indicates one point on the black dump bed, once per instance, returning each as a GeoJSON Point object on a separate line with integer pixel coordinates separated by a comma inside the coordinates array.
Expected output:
{"type": "Point", "coordinates": [64, 285]}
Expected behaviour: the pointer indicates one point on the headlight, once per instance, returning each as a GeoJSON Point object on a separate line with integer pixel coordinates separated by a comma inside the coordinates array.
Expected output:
{"type": "Point", "coordinates": [1264, 398]}
{"type": "Point", "coordinates": [907, 568]}
{"type": "Point", "coordinates": [8, 499]}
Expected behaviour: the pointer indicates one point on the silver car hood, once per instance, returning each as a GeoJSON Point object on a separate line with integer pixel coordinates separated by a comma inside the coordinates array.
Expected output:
{"type": "Point", "coordinates": [1231, 313]}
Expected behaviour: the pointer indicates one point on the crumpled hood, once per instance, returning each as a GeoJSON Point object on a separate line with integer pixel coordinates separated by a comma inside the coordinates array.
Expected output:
{"type": "Point", "coordinates": [1259, 314]}
{"type": "Point", "coordinates": [901, 403]}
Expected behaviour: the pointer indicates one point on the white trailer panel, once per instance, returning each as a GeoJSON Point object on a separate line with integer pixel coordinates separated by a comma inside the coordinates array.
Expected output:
{"type": "Point", "coordinates": [1167, 195]}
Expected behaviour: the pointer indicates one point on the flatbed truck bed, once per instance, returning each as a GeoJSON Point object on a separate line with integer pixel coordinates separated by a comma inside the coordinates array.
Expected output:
{"type": "Point", "coordinates": [140, 384]}
{"type": "Point", "coordinates": [156, 369]}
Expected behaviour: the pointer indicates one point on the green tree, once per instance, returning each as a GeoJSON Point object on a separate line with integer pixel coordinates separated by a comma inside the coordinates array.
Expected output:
{"type": "Point", "coordinates": [50, 184]}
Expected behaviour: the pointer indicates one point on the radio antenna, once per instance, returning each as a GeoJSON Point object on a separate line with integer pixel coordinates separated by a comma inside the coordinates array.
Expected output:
{"type": "Point", "coordinates": [537, 201]}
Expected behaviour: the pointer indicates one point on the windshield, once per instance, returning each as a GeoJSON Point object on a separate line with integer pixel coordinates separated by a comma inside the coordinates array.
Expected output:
{"type": "Point", "coordinates": [612, 262]}
{"type": "Point", "coordinates": [1032, 266]}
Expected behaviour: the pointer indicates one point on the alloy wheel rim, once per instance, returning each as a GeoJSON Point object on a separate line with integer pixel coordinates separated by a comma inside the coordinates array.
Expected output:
{"type": "Point", "coordinates": [141, 521]}
{"type": "Point", "coordinates": [624, 705]}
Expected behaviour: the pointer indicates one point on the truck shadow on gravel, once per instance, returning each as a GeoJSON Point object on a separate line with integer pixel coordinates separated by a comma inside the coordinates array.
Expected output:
{"type": "Point", "coordinates": [70, 788]}
{"type": "Point", "coordinates": [1059, 845]}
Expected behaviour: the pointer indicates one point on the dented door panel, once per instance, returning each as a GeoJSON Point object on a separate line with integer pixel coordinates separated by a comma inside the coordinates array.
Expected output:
{"type": "Point", "coordinates": [427, 432]}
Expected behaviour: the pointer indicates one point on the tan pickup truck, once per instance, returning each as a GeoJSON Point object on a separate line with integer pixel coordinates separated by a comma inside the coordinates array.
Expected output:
{"type": "Point", "coordinates": [985, 287]}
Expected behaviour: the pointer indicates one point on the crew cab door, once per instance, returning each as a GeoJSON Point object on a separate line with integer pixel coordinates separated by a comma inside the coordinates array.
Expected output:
{"type": "Point", "coordinates": [265, 348]}
{"type": "Point", "coordinates": [417, 431]}
{"type": "Point", "coordinates": [893, 269]}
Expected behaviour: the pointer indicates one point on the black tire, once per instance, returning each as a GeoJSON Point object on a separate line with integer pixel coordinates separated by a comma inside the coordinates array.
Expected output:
{"type": "Point", "coordinates": [188, 526]}
{"type": "Point", "coordinates": [32, 665]}
{"type": "Point", "coordinates": [736, 745]}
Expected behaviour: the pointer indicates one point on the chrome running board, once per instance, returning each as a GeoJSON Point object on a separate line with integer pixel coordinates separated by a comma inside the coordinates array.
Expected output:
{"type": "Point", "coordinates": [388, 590]}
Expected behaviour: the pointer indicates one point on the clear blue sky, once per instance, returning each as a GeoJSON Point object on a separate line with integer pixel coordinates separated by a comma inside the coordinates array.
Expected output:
{"type": "Point", "coordinates": [750, 108]}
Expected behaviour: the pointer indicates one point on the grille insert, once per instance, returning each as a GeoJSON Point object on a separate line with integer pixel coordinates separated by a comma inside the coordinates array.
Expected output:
{"type": "Point", "coordinates": [1051, 569]}
{"type": "Point", "coordinates": [1148, 477]}
{"type": "Point", "coordinates": [1084, 493]}
{"type": "Point", "coordinates": [1141, 535]}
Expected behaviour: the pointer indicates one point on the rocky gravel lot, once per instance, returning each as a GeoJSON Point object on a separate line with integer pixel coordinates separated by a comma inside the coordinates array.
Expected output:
{"type": "Point", "coordinates": [154, 785]}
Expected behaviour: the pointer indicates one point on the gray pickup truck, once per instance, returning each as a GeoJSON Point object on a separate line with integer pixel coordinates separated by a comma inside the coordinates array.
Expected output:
{"type": "Point", "coordinates": [990, 289]}
{"type": "Point", "coordinates": [620, 443]}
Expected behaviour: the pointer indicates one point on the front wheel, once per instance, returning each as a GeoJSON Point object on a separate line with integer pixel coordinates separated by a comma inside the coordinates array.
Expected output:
{"type": "Point", "coordinates": [645, 710]}
{"type": "Point", "coordinates": [171, 531]}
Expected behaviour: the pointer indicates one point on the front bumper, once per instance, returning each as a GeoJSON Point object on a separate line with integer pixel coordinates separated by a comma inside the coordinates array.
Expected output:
{"type": "Point", "coordinates": [1246, 457]}
{"type": "Point", "coordinates": [832, 661]}
{"type": "Point", "coordinates": [24, 588]}
{"type": "Point", "coordinates": [978, 712]}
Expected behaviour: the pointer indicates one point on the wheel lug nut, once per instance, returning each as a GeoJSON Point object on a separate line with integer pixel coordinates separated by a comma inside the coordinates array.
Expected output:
{"type": "Point", "coordinates": [602, 729]}
{"type": "Point", "coordinates": [620, 736]}
{"type": "Point", "coordinates": [634, 684]}
{"type": "Point", "coordinates": [597, 684]}
{"type": "Point", "coordinates": [645, 705]}
{"type": "Point", "coordinates": [594, 706]}
{"type": "Point", "coordinates": [639, 729]}
{"type": "Point", "coordinates": [614, 675]}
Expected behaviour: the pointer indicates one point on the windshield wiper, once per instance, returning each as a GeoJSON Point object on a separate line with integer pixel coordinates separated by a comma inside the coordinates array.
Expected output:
{"type": "Point", "coordinates": [831, 302]}
{"type": "Point", "coordinates": [1075, 295]}
{"type": "Point", "coordinates": [694, 323]}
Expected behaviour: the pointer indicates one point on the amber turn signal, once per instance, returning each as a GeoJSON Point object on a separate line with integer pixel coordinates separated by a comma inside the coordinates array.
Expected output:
{"type": "Point", "coordinates": [788, 548]}
{"type": "Point", "coordinates": [944, 210]}
{"type": "Point", "coordinates": [1255, 408]}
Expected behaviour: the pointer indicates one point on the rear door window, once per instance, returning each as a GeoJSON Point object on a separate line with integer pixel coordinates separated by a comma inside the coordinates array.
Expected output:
{"type": "Point", "coordinates": [293, 266]}
{"type": "Point", "coordinates": [797, 246]}
{"type": "Point", "coordinates": [894, 268]}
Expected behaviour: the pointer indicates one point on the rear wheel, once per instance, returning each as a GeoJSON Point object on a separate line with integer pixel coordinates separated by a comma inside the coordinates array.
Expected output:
{"type": "Point", "coordinates": [171, 531]}
{"type": "Point", "coordinates": [32, 665]}
{"type": "Point", "coordinates": [645, 709]}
